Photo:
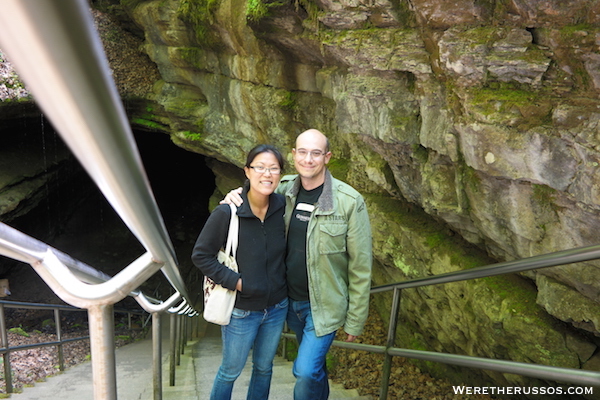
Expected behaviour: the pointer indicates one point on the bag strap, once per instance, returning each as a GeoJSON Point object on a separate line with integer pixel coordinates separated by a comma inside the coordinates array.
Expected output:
{"type": "Point", "coordinates": [234, 228]}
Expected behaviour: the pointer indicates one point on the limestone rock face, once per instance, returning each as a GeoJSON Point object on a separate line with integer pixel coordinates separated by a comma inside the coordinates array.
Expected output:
{"type": "Point", "coordinates": [470, 126]}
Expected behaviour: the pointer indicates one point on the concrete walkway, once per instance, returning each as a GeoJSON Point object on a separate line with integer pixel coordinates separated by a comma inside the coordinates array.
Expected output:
{"type": "Point", "coordinates": [193, 378]}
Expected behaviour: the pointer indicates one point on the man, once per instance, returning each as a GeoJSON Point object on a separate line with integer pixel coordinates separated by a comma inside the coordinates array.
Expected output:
{"type": "Point", "coordinates": [328, 261]}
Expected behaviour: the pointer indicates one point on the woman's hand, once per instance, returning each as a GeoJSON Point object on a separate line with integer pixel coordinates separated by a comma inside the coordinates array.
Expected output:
{"type": "Point", "coordinates": [238, 286]}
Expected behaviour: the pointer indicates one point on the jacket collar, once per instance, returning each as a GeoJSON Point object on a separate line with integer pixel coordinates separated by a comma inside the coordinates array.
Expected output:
{"type": "Point", "coordinates": [275, 203]}
{"type": "Point", "coordinates": [325, 202]}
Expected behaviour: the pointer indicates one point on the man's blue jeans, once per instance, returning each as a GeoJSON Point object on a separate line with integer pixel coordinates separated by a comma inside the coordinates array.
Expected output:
{"type": "Point", "coordinates": [309, 366]}
{"type": "Point", "coordinates": [256, 330]}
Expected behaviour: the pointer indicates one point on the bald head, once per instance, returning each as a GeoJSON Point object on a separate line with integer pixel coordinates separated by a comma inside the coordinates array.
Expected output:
{"type": "Point", "coordinates": [315, 137]}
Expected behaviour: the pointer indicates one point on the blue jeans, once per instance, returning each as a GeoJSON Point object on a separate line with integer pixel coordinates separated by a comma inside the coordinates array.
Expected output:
{"type": "Point", "coordinates": [309, 367]}
{"type": "Point", "coordinates": [257, 330]}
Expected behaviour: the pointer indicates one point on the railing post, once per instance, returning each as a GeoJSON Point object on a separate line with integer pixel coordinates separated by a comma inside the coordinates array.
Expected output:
{"type": "Point", "coordinates": [173, 358]}
{"type": "Point", "coordinates": [61, 357]}
{"type": "Point", "coordinates": [6, 356]}
{"type": "Point", "coordinates": [157, 355]}
{"type": "Point", "coordinates": [183, 334]}
{"type": "Point", "coordinates": [102, 343]}
{"type": "Point", "coordinates": [391, 338]}
{"type": "Point", "coordinates": [178, 340]}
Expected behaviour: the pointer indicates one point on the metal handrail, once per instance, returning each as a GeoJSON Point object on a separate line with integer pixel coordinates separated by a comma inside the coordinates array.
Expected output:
{"type": "Point", "coordinates": [58, 53]}
{"type": "Point", "coordinates": [557, 374]}
{"type": "Point", "coordinates": [526, 264]}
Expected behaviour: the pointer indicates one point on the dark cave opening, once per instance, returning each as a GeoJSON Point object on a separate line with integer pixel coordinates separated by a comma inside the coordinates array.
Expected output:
{"type": "Point", "coordinates": [74, 217]}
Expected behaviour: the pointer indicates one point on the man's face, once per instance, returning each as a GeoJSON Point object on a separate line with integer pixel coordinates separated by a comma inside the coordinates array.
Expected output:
{"type": "Point", "coordinates": [311, 156]}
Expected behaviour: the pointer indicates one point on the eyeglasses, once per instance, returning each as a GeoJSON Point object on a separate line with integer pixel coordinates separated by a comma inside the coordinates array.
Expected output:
{"type": "Point", "coordinates": [262, 170]}
{"type": "Point", "coordinates": [313, 153]}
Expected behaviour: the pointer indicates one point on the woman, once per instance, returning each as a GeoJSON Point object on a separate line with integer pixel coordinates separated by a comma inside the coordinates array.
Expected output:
{"type": "Point", "coordinates": [261, 300]}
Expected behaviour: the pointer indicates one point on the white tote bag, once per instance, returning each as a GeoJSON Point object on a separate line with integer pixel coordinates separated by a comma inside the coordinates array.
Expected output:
{"type": "Point", "coordinates": [219, 301]}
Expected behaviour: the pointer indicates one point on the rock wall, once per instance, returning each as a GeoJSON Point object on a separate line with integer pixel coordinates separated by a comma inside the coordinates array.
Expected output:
{"type": "Point", "coordinates": [471, 127]}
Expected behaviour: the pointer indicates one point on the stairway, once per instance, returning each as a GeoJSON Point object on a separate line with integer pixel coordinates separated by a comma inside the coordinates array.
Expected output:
{"type": "Point", "coordinates": [201, 360]}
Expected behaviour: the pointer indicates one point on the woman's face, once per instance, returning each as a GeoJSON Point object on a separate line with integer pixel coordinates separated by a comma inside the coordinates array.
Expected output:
{"type": "Point", "coordinates": [266, 181]}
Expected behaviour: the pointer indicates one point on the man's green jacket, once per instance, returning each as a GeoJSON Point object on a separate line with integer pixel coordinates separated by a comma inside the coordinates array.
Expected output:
{"type": "Point", "coordinates": [338, 255]}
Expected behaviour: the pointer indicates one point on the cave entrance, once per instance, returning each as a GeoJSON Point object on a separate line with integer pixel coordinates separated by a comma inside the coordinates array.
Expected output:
{"type": "Point", "coordinates": [74, 217]}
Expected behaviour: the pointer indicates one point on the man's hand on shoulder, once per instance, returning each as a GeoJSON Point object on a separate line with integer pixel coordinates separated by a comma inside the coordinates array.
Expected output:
{"type": "Point", "coordinates": [234, 197]}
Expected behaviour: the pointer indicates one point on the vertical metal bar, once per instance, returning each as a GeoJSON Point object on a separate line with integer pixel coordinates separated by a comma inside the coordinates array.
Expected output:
{"type": "Point", "coordinates": [6, 356]}
{"type": "Point", "coordinates": [391, 338]}
{"type": "Point", "coordinates": [173, 358]}
{"type": "Point", "coordinates": [102, 343]}
{"type": "Point", "coordinates": [183, 334]}
{"type": "Point", "coordinates": [179, 326]}
{"type": "Point", "coordinates": [157, 355]}
{"type": "Point", "coordinates": [61, 357]}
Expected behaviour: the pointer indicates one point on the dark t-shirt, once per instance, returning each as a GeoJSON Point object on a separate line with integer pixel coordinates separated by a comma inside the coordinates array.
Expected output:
{"type": "Point", "coordinates": [297, 276]}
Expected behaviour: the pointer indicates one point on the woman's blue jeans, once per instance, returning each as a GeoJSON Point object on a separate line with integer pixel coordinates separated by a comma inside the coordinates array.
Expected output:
{"type": "Point", "coordinates": [256, 330]}
{"type": "Point", "coordinates": [309, 367]}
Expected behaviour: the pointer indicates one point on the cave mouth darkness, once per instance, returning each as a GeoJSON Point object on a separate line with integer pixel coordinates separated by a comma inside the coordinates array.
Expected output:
{"type": "Point", "coordinates": [74, 217]}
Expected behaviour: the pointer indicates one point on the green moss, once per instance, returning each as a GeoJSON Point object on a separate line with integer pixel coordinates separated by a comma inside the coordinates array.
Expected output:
{"type": "Point", "coordinates": [19, 331]}
{"type": "Point", "coordinates": [48, 322]}
{"type": "Point", "coordinates": [259, 9]}
{"type": "Point", "coordinates": [470, 178]}
{"type": "Point", "coordinates": [192, 55]}
{"type": "Point", "coordinates": [545, 196]}
{"type": "Point", "coordinates": [148, 123]}
{"type": "Point", "coordinates": [420, 153]}
{"type": "Point", "coordinates": [192, 136]}
{"type": "Point", "coordinates": [481, 35]}
{"type": "Point", "coordinates": [256, 10]}
{"type": "Point", "coordinates": [313, 10]}
{"type": "Point", "coordinates": [572, 32]}
{"type": "Point", "coordinates": [520, 297]}
{"type": "Point", "coordinates": [289, 101]}
{"type": "Point", "coordinates": [502, 99]}
{"type": "Point", "coordinates": [199, 14]}
{"type": "Point", "coordinates": [436, 236]}
{"type": "Point", "coordinates": [339, 168]}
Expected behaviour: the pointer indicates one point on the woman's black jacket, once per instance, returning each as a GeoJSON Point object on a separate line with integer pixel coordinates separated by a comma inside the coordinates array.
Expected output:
{"type": "Point", "coordinates": [260, 253]}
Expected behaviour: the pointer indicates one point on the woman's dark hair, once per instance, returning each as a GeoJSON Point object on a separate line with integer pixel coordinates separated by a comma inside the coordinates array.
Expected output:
{"type": "Point", "coordinates": [265, 148]}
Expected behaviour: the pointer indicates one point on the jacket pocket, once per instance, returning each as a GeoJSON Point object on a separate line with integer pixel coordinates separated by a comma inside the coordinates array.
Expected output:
{"type": "Point", "coordinates": [333, 238]}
